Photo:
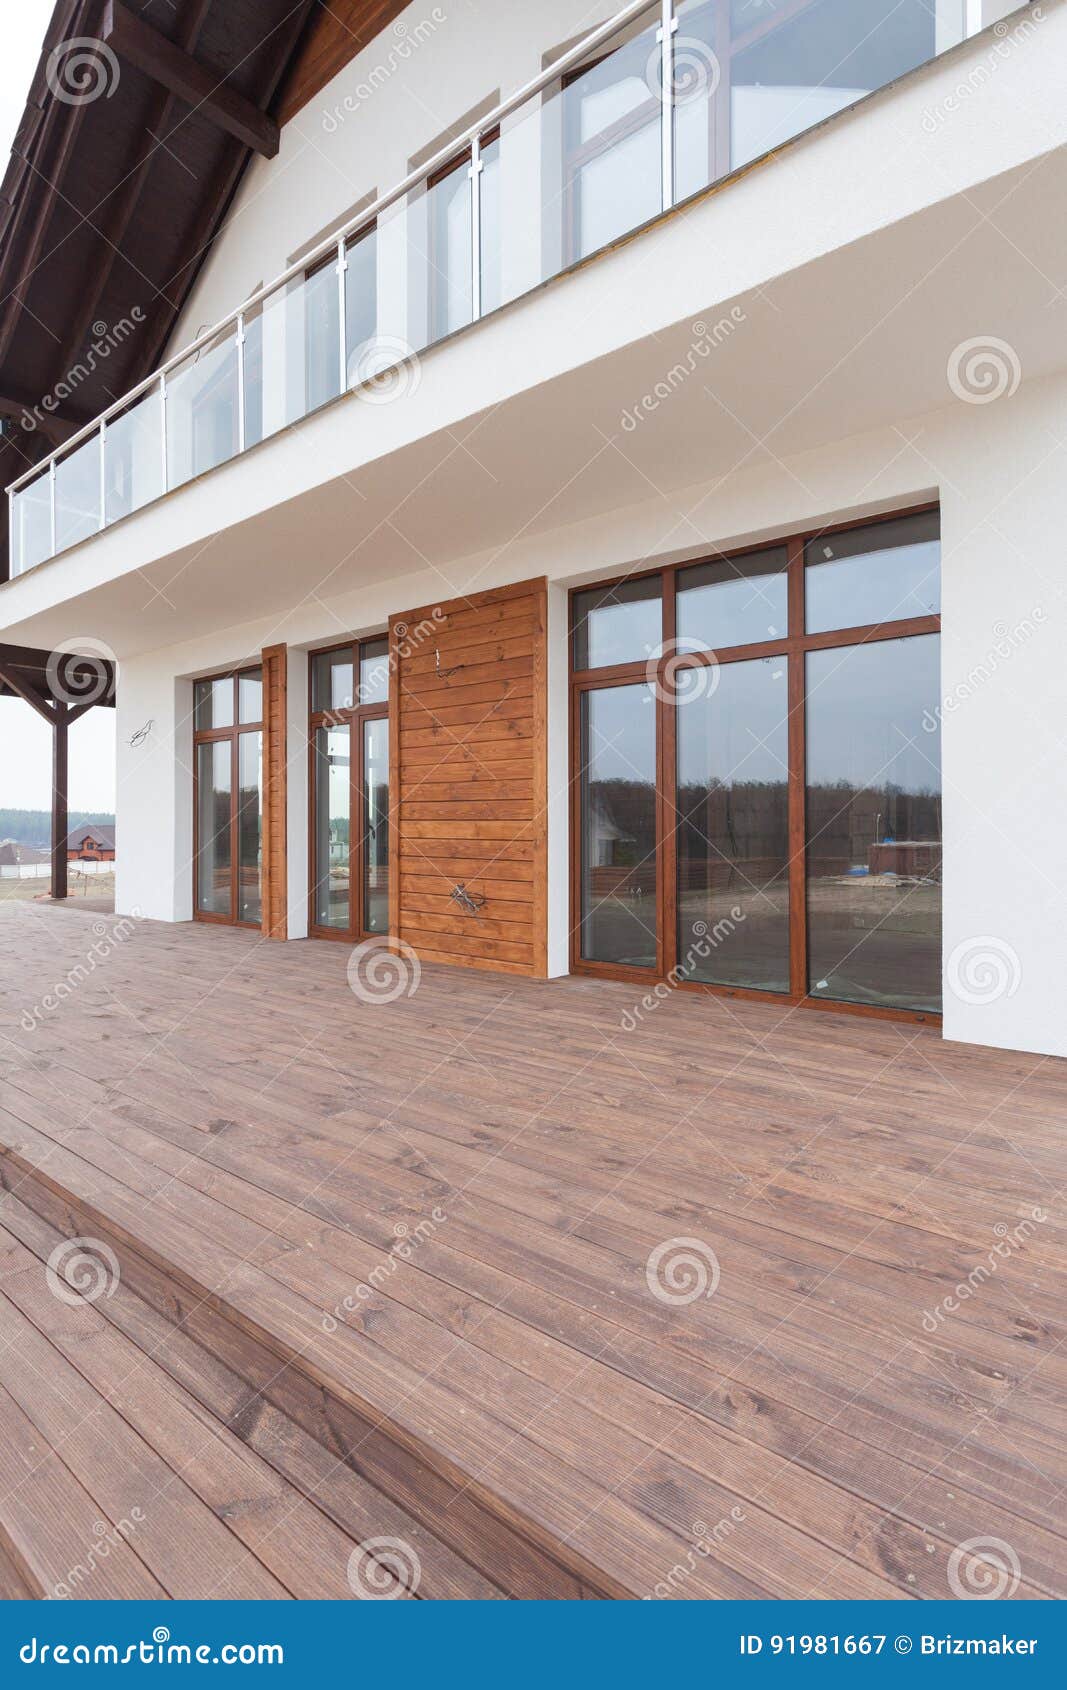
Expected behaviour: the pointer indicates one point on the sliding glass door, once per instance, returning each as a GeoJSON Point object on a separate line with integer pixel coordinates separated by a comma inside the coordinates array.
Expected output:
{"type": "Point", "coordinates": [349, 733]}
{"type": "Point", "coordinates": [757, 786]}
{"type": "Point", "coordinates": [228, 798]}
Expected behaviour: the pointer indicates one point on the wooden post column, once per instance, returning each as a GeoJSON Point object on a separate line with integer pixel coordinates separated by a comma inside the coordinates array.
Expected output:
{"type": "Point", "coordinates": [275, 788]}
{"type": "Point", "coordinates": [60, 825]}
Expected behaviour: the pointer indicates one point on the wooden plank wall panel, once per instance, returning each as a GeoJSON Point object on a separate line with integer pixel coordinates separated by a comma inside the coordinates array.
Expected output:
{"type": "Point", "coordinates": [275, 853]}
{"type": "Point", "coordinates": [335, 33]}
{"type": "Point", "coordinates": [469, 779]}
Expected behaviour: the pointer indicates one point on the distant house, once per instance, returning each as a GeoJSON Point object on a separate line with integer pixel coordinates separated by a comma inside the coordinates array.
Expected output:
{"type": "Point", "coordinates": [13, 854]}
{"type": "Point", "coordinates": [91, 843]}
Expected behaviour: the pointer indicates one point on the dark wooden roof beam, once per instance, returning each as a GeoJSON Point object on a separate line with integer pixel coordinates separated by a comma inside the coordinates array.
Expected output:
{"type": "Point", "coordinates": [139, 44]}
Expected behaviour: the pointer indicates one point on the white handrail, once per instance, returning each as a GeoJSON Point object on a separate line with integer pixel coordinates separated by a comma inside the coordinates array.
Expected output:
{"type": "Point", "coordinates": [368, 215]}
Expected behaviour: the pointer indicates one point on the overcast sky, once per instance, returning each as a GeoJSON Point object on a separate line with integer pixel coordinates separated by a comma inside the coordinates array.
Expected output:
{"type": "Point", "coordinates": [25, 741]}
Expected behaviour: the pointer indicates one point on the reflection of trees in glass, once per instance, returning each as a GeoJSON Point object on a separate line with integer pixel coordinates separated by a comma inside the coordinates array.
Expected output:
{"type": "Point", "coordinates": [744, 823]}
{"type": "Point", "coordinates": [845, 822]}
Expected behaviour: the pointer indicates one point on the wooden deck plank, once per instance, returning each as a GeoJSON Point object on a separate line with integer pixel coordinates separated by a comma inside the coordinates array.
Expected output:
{"type": "Point", "coordinates": [849, 1175]}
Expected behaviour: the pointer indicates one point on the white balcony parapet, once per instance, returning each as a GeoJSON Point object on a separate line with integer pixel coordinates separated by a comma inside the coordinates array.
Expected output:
{"type": "Point", "coordinates": [648, 110]}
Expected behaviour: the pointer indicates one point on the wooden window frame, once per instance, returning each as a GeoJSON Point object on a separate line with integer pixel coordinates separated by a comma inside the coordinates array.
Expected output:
{"type": "Point", "coordinates": [794, 648]}
{"type": "Point", "coordinates": [353, 719]}
{"type": "Point", "coordinates": [211, 736]}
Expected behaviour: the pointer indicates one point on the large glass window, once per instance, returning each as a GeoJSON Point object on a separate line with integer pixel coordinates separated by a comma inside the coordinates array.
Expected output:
{"type": "Point", "coordinates": [618, 624]}
{"type": "Point", "coordinates": [619, 916]}
{"type": "Point", "coordinates": [350, 790]}
{"type": "Point", "coordinates": [734, 601]}
{"type": "Point", "coordinates": [228, 797]}
{"type": "Point", "coordinates": [758, 792]}
{"type": "Point", "coordinates": [874, 823]}
{"type": "Point", "coordinates": [733, 826]}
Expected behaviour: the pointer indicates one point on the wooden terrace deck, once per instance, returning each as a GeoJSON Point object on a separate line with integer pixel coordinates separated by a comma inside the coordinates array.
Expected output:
{"type": "Point", "coordinates": [387, 1273]}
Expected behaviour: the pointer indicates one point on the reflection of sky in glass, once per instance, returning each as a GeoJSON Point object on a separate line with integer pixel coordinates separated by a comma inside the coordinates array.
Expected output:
{"type": "Point", "coordinates": [738, 733]}
{"type": "Point", "coordinates": [740, 608]}
{"type": "Point", "coordinates": [610, 632]}
{"type": "Point", "coordinates": [867, 706]}
{"type": "Point", "coordinates": [622, 734]}
{"type": "Point", "coordinates": [876, 585]}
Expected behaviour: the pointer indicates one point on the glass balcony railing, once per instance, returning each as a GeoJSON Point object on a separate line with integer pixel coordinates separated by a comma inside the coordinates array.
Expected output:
{"type": "Point", "coordinates": [652, 107]}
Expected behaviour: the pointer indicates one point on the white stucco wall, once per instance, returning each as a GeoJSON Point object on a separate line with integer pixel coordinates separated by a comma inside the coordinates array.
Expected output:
{"type": "Point", "coordinates": [1000, 470]}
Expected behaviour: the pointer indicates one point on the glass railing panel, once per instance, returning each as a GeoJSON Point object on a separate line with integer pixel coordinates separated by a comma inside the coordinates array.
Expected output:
{"type": "Point", "coordinates": [31, 524]}
{"type": "Point", "coordinates": [576, 167]}
{"type": "Point", "coordinates": [361, 305]}
{"type": "Point", "coordinates": [78, 494]}
{"type": "Point", "coordinates": [202, 411]}
{"type": "Point", "coordinates": [292, 353]}
{"type": "Point", "coordinates": [426, 264]}
{"type": "Point", "coordinates": [747, 78]}
{"type": "Point", "coordinates": [133, 456]}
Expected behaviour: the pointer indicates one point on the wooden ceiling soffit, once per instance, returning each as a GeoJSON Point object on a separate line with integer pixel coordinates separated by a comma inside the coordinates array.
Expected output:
{"type": "Point", "coordinates": [334, 35]}
{"type": "Point", "coordinates": [139, 44]}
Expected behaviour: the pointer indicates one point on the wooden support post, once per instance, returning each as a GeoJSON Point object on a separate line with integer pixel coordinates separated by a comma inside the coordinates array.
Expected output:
{"type": "Point", "coordinates": [60, 724]}
{"type": "Point", "coordinates": [275, 882]}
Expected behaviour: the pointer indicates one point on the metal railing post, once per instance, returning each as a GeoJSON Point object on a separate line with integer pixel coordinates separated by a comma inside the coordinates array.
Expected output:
{"type": "Point", "coordinates": [241, 422]}
{"type": "Point", "coordinates": [475, 174]}
{"type": "Point", "coordinates": [163, 426]}
{"type": "Point", "coordinates": [52, 504]}
{"type": "Point", "coordinates": [103, 475]}
{"type": "Point", "coordinates": [342, 312]}
{"type": "Point", "coordinates": [665, 36]}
